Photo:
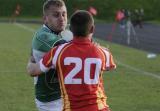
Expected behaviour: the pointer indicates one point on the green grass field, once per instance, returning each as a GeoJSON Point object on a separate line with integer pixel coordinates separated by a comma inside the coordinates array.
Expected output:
{"type": "Point", "coordinates": [133, 86]}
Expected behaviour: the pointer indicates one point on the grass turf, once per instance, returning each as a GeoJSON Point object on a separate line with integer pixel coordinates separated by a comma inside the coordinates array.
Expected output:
{"type": "Point", "coordinates": [134, 85]}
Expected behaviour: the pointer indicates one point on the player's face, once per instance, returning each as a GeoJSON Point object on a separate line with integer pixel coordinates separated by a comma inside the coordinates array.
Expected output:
{"type": "Point", "coordinates": [56, 18]}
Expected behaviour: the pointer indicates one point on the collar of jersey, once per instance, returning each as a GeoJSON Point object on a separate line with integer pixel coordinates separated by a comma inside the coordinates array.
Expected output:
{"type": "Point", "coordinates": [45, 26]}
{"type": "Point", "coordinates": [79, 40]}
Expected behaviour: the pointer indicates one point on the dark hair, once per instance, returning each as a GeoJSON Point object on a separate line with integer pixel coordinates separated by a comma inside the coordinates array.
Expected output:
{"type": "Point", "coordinates": [81, 23]}
{"type": "Point", "coordinates": [48, 3]}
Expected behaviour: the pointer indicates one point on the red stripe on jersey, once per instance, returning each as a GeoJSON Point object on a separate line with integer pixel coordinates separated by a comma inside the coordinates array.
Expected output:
{"type": "Point", "coordinates": [51, 56]}
{"type": "Point", "coordinates": [47, 59]}
{"type": "Point", "coordinates": [104, 58]}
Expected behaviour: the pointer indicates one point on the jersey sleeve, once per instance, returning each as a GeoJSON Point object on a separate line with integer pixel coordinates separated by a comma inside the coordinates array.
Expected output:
{"type": "Point", "coordinates": [50, 59]}
{"type": "Point", "coordinates": [44, 41]}
{"type": "Point", "coordinates": [46, 62]}
{"type": "Point", "coordinates": [109, 61]}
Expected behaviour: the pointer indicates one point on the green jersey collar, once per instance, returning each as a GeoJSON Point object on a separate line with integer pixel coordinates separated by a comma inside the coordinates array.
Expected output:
{"type": "Point", "coordinates": [45, 26]}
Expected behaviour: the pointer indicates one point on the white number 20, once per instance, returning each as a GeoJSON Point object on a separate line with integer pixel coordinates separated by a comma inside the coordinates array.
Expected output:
{"type": "Point", "coordinates": [69, 79]}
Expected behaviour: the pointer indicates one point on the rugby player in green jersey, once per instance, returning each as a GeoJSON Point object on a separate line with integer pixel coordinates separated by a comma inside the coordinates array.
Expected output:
{"type": "Point", "coordinates": [47, 89]}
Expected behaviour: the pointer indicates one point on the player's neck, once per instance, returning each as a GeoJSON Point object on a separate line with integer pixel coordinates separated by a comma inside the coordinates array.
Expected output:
{"type": "Point", "coordinates": [83, 38]}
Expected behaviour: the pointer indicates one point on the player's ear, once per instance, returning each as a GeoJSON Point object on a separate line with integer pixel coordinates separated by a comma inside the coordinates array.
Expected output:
{"type": "Point", "coordinates": [45, 18]}
{"type": "Point", "coordinates": [92, 29]}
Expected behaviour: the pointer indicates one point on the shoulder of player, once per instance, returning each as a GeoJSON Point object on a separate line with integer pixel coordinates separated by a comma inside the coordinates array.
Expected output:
{"type": "Point", "coordinates": [62, 46]}
{"type": "Point", "coordinates": [102, 48]}
{"type": "Point", "coordinates": [46, 37]}
{"type": "Point", "coordinates": [44, 41]}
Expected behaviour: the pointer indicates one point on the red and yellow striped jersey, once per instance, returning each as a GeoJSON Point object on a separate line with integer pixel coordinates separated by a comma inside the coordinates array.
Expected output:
{"type": "Point", "coordinates": [80, 64]}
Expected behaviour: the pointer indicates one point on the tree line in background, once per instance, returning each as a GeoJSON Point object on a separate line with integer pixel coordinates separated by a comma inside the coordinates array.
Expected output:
{"type": "Point", "coordinates": [106, 9]}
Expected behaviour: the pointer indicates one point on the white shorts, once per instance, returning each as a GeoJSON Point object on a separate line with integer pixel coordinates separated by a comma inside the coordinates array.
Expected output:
{"type": "Point", "coordinates": [55, 105]}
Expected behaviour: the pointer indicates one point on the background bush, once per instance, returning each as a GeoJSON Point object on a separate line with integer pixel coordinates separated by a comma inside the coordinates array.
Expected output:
{"type": "Point", "coordinates": [106, 8]}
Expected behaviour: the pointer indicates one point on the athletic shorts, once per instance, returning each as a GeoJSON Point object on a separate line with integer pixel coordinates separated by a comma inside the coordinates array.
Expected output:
{"type": "Point", "coordinates": [55, 105]}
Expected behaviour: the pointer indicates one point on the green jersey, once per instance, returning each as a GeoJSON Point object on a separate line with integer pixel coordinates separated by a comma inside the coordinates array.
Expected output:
{"type": "Point", "coordinates": [46, 85]}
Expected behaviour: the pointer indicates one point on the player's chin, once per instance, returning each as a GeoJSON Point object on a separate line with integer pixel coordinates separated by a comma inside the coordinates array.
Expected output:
{"type": "Point", "coordinates": [61, 28]}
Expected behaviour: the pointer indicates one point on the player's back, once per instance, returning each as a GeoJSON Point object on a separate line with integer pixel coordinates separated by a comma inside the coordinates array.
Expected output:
{"type": "Point", "coordinates": [81, 76]}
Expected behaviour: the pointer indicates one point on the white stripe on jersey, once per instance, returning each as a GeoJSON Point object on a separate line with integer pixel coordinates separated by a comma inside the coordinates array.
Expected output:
{"type": "Point", "coordinates": [55, 57]}
{"type": "Point", "coordinates": [42, 66]}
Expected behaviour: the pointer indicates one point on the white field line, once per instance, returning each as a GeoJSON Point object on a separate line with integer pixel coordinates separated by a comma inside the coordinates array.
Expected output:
{"type": "Point", "coordinates": [139, 70]}
{"type": "Point", "coordinates": [13, 72]}
{"type": "Point", "coordinates": [120, 63]}
{"type": "Point", "coordinates": [25, 27]}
